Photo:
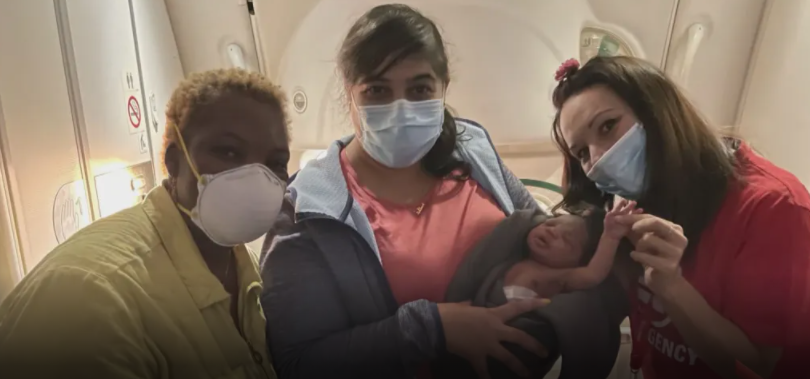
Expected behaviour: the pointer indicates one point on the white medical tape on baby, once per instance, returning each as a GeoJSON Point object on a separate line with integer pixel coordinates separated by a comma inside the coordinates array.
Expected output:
{"type": "Point", "coordinates": [518, 293]}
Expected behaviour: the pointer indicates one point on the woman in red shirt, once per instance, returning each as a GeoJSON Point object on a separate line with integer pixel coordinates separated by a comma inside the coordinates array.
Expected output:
{"type": "Point", "coordinates": [723, 255]}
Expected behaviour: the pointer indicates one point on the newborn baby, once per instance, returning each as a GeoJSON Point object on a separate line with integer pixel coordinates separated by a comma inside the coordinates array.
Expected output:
{"type": "Point", "coordinates": [557, 248]}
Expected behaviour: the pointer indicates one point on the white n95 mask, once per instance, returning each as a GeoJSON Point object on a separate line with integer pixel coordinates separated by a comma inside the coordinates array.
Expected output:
{"type": "Point", "coordinates": [236, 206]}
{"type": "Point", "coordinates": [401, 133]}
{"type": "Point", "coordinates": [622, 170]}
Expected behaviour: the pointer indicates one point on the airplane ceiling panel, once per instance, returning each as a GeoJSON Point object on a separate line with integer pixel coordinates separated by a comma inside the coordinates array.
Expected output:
{"type": "Point", "coordinates": [503, 58]}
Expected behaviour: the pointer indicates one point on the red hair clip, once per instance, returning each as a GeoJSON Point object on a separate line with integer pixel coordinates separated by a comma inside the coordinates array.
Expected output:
{"type": "Point", "coordinates": [566, 68]}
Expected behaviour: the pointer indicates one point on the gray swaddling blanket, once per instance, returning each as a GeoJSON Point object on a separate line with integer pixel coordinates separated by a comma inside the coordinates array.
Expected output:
{"type": "Point", "coordinates": [581, 326]}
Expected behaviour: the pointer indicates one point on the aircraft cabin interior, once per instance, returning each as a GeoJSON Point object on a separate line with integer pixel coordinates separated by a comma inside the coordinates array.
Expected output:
{"type": "Point", "coordinates": [84, 86]}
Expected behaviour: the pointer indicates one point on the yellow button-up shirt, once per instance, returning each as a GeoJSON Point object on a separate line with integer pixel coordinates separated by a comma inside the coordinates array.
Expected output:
{"type": "Point", "coordinates": [130, 296]}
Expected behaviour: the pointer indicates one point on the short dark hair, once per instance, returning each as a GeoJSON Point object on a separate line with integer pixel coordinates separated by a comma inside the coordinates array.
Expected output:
{"type": "Point", "coordinates": [383, 37]}
{"type": "Point", "coordinates": [203, 88]}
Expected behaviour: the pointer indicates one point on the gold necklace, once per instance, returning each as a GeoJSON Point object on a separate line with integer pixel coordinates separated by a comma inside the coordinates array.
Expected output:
{"type": "Point", "coordinates": [419, 209]}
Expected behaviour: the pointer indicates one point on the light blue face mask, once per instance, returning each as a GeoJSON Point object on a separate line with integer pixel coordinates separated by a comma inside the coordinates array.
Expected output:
{"type": "Point", "coordinates": [622, 169]}
{"type": "Point", "coordinates": [399, 134]}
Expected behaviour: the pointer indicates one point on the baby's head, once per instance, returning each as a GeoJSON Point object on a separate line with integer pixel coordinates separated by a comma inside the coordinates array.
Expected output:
{"type": "Point", "coordinates": [567, 240]}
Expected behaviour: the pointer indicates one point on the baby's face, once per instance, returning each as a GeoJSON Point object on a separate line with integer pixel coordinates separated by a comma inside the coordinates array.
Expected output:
{"type": "Point", "coordinates": [559, 242]}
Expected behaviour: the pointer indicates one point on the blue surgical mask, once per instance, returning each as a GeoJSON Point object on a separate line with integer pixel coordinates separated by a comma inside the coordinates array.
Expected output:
{"type": "Point", "coordinates": [399, 134]}
{"type": "Point", "coordinates": [622, 169]}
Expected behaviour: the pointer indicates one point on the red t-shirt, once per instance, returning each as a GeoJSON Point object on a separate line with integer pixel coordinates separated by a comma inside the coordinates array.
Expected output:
{"type": "Point", "coordinates": [744, 372]}
{"type": "Point", "coordinates": [752, 266]}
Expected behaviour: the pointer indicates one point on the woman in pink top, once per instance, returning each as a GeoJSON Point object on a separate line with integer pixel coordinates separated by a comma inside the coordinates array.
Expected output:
{"type": "Point", "coordinates": [355, 287]}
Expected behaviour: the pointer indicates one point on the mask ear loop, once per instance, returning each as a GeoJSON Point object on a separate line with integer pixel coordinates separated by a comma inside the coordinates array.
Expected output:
{"type": "Point", "coordinates": [355, 107]}
{"type": "Point", "coordinates": [200, 179]}
{"type": "Point", "coordinates": [185, 153]}
{"type": "Point", "coordinates": [358, 115]}
{"type": "Point", "coordinates": [444, 102]}
{"type": "Point", "coordinates": [444, 107]}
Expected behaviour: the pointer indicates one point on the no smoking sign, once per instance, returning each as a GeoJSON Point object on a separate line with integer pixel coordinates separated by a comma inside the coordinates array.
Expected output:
{"type": "Point", "coordinates": [134, 114]}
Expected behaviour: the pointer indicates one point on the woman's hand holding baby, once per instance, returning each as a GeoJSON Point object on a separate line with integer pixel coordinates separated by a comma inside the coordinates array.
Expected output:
{"type": "Point", "coordinates": [614, 228]}
{"type": "Point", "coordinates": [475, 334]}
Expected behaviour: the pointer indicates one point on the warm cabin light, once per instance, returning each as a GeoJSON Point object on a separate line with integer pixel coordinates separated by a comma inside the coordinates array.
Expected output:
{"type": "Point", "coordinates": [138, 184]}
{"type": "Point", "coordinates": [116, 191]}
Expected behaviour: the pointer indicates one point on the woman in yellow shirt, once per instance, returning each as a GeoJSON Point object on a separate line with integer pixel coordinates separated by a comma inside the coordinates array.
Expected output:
{"type": "Point", "coordinates": [166, 289]}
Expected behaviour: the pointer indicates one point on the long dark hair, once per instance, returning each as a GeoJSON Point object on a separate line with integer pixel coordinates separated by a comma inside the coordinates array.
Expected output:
{"type": "Point", "coordinates": [689, 169]}
{"type": "Point", "coordinates": [383, 37]}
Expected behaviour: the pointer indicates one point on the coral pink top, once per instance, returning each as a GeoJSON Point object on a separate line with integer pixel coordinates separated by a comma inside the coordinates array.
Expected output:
{"type": "Point", "coordinates": [420, 251]}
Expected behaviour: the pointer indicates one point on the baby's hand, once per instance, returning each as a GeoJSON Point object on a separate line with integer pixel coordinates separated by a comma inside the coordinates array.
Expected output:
{"type": "Point", "coordinates": [612, 227]}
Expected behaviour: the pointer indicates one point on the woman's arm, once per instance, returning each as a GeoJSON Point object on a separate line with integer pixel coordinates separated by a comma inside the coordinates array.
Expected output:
{"type": "Point", "coordinates": [718, 341]}
{"type": "Point", "coordinates": [521, 197]}
{"type": "Point", "coordinates": [745, 372]}
{"type": "Point", "coordinates": [764, 304]}
{"type": "Point", "coordinates": [72, 323]}
{"type": "Point", "coordinates": [310, 332]}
